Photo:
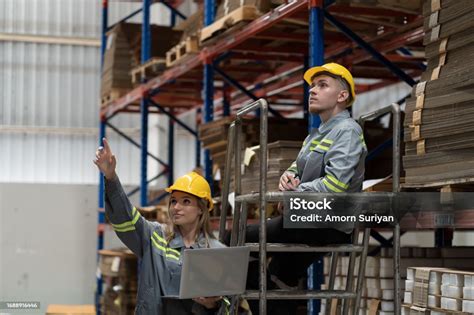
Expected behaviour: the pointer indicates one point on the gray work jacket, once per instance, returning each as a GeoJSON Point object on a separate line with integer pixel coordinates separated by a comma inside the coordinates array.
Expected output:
{"type": "Point", "coordinates": [160, 261]}
{"type": "Point", "coordinates": [332, 158]}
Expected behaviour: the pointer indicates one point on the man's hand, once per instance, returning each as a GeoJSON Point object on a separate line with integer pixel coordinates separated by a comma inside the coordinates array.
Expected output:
{"type": "Point", "coordinates": [105, 160]}
{"type": "Point", "coordinates": [208, 302]}
{"type": "Point", "coordinates": [288, 181]}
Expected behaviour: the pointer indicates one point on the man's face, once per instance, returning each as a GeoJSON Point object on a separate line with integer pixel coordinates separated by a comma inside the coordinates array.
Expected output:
{"type": "Point", "coordinates": [325, 92]}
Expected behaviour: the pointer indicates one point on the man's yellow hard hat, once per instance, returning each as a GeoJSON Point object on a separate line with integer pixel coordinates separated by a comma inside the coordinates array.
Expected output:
{"type": "Point", "coordinates": [194, 184]}
{"type": "Point", "coordinates": [335, 69]}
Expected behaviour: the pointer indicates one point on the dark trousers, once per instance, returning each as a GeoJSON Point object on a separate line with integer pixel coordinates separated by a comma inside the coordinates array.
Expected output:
{"type": "Point", "coordinates": [288, 267]}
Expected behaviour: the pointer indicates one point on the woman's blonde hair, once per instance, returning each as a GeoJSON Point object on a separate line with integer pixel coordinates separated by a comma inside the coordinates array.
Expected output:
{"type": "Point", "coordinates": [204, 225]}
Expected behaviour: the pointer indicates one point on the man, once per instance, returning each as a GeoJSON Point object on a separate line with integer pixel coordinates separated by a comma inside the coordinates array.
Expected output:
{"type": "Point", "coordinates": [331, 160]}
{"type": "Point", "coordinates": [332, 156]}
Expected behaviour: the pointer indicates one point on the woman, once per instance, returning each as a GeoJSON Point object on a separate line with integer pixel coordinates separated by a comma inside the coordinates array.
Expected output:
{"type": "Point", "coordinates": [160, 249]}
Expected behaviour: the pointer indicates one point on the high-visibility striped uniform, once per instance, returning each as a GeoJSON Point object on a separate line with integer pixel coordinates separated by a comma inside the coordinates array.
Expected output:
{"type": "Point", "coordinates": [160, 261]}
{"type": "Point", "coordinates": [332, 157]}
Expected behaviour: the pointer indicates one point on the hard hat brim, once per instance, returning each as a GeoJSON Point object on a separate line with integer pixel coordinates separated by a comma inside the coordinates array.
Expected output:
{"type": "Point", "coordinates": [311, 72]}
{"type": "Point", "coordinates": [171, 189]}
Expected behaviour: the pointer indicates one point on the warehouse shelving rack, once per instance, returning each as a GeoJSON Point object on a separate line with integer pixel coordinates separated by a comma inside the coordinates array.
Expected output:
{"type": "Point", "coordinates": [190, 84]}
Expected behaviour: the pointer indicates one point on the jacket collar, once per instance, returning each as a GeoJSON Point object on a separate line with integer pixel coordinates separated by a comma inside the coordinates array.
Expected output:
{"type": "Point", "coordinates": [333, 121]}
{"type": "Point", "coordinates": [177, 241]}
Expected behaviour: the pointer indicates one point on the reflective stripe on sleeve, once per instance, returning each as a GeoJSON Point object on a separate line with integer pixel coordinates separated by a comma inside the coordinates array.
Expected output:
{"type": "Point", "coordinates": [128, 225]}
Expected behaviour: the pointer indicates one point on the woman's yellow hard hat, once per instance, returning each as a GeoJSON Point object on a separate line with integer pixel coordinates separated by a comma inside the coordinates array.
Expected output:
{"type": "Point", "coordinates": [194, 184]}
{"type": "Point", "coordinates": [335, 69]}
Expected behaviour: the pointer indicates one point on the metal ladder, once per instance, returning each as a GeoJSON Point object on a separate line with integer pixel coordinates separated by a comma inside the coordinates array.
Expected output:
{"type": "Point", "coordinates": [240, 218]}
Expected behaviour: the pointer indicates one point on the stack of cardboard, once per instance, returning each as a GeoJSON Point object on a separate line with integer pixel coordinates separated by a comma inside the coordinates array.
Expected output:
{"type": "Point", "coordinates": [228, 6]}
{"type": "Point", "coordinates": [192, 25]}
{"type": "Point", "coordinates": [232, 15]}
{"type": "Point", "coordinates": [438, 123]}
{"type": "Point", "coordinates": [189, 42]}
{"type": "Point", "coordinates": [280, 156]}
{"type": "Point", "coordinates": [213, 137]}
{"type": "Point", "coordinates": [119, 275]}
{"type": "Point", "coordinates": [123, 52]}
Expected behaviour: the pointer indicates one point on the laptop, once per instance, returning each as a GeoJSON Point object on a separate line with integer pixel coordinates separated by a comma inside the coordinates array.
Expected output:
{"type": "Point", "coordinates": [210, 272]}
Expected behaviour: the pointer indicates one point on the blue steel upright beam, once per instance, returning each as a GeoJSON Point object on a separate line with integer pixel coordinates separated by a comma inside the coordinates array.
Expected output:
{"type": "Point", "coordinates": [198, 143]}
{"type": "Point", "coordinates": [306, 114]}
{"type": "Point", "coordinates": [101, 214]}
{"type": "Point", "coordinates": [146, 45]}
{"type": "Point", "coordinates": [170, 149]}
{"type": "Point", "coordinates": [316, 58]}
{"type": "Point", "coordinates": [316, 43]}
{"type": "Point", "coordinates": [209, 14]}
{"type": "Point", "coordinates": [144, 152]}
{"type": "Point", "coordinates": [146, 50]}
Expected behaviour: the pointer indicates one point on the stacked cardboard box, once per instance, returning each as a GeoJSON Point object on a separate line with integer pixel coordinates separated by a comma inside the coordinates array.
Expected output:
{"type": "Point", "coordinates": [192, 25]}
{"type": "Point", "coordinates": [119, 275]}
{"type": "Point", "coordinates": [228, 6]}
{"type": "Point", "coordinates": [280, 156]}
{"type": "Point", "coordinates": [213, 137]}
{"type": "Point", "coordinates": [232, 15]}
{"type": "Point", "coordinates": [438, 123]}
{"type": "Point", "coordinates": [123, 52]}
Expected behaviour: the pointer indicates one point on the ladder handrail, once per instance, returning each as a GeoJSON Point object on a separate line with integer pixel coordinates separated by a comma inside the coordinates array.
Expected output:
{"type": "Point", "coordinates": [394, 108]}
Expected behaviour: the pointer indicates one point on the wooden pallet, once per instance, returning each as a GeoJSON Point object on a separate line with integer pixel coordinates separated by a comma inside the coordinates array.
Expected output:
{"type": "Point", "coordinates": [245, 14]}
{"type": "Point", "coordinates": [186, 48]}
{"type": "Point", "coordinates": [152, 68]}
{"type": "Point", "coordinates": [112, 95]}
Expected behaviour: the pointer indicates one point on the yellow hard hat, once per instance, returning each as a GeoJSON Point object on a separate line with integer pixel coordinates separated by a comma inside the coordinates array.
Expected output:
{"type": "Point", "coordinates": [194, 184]}
{"type": "Point", "coordinates": [335, 69]}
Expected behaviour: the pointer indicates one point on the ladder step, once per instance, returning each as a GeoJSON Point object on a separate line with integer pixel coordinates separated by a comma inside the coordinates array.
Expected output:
{"type": "Point", "coordinates": [299, 294]}
{"type": "Point", "coordinates": [278, 247]}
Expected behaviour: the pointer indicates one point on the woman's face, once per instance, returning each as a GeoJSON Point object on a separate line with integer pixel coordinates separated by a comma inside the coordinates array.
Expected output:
{"type": "Point", "coordinates": [184, 208]}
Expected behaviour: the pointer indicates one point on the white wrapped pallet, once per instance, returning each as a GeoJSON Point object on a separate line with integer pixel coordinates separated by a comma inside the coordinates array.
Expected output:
{"type": "Point", "coordinates": [468, 281]}
{"type": "Point", "coordinates": [451, 304]}
{"type": "Point", "coordinates": [388, 294]}
{"type": "Point", "coordinates": [388, 306]}
{"type": "Point", "coordinates": [409, 284]}
{"type": "Point", "coordinates": [452, 279]}
{"type": "Point", "coordinates": [434, 301]}
{"type": "Point", "coordinates": [451, 291]}
{"type": "Point", "coordinates": [468, 306]}
{"type": "Point", "coordinates": [387, 284]}
{"type": "Point", "coordinates": [408, 297]}
{"type": "Point", "coordinates": [373, 283]}
{"type": "Point", "coordinates": [468, 293]}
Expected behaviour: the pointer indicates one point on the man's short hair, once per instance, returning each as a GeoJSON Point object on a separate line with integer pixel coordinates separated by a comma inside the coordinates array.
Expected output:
{"type": "Point", "coordinates": [345, 85]}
